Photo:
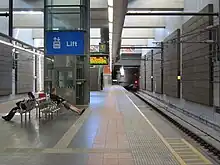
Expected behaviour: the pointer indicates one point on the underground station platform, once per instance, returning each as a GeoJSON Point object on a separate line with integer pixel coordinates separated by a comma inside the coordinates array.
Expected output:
{"type": "Point", "coordinates": [116, 129]}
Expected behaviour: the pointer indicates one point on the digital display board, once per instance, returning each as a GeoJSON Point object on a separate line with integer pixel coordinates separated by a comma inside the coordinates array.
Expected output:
{"type": "Point", "coordinates": [98, 60]}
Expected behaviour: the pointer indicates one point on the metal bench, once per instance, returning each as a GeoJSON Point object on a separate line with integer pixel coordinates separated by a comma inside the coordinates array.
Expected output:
{"type": "Point", "coordinates": [47, 107]}
{"type": "Point", "coordinates": [25, 111]}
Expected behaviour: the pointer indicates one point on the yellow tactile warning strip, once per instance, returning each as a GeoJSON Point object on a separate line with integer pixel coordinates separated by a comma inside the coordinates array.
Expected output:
{"type": "Point", "coordinates": [189, 154]}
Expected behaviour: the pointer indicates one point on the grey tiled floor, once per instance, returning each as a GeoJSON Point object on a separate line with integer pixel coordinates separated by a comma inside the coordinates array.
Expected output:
{"type": "Point", "coordinates": [114, 133]}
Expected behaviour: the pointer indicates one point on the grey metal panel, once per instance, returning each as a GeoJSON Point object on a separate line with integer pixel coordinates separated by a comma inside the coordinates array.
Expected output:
{"type": "Point", "coordinates": [94, 79]}
{"type": "Point", "coordinates": [196, 61]}
{"type": "Point", "coordinates": [171, 65]}
{"type": "Point", "coordinates": [129, 60]}
{"type": "Point", "coordinates": [157, 77]}
{"type": "Point", "coordinates": [25, 72]}
{"type": "Point", "coordinates": [5, 69]}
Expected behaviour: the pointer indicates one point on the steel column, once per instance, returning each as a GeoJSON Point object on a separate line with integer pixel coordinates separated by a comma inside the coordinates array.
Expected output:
{"type": "Point", "coordinates": [145, 71]}
{"type": "Point", "coordinates": [152, 71]}
{"type": "Point", "coordinates": [10, 27]}
{"type": "Point", "coordinates": [162, 62]}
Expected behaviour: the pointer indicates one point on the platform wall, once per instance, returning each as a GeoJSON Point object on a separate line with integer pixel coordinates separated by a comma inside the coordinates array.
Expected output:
{"type": "Point", "coordinates": [171, 65]}
{"type": "Point", "coordinates": [149, 71]}
{"type": "Point", "coordinates": [24, 72]}
{"type": "Point", "coordinates": [197, 61]}
{"type": "Point", "coordinates": [142, 74]}
{"type": "Point", "coordinates": [5, 69]}
{"type": "Point", "coordinates": [157, 71]}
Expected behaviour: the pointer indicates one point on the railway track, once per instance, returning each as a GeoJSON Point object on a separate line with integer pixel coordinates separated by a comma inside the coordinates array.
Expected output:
{"type": "Point", "coordinates": [215, 152]}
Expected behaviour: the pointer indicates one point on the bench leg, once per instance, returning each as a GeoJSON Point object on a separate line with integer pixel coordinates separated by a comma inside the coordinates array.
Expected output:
{"type": "Point", "coordinates": [39, 113]}
{"type": "Point", "coordinates": [29, 115]}
{"type": "Point", "coordinates": [36, 112]}
{"type": "Point", "coordinates": [21, 117]}
{"type": "Point", "coordinates": [25, 116]}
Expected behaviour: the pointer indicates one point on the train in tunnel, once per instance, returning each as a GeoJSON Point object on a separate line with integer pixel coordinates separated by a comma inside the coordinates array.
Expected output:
{"type": "Point", "coordinates": [126, 76]}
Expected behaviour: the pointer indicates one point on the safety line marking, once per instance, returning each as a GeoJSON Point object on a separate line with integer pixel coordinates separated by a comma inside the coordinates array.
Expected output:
{"type": "Point", "coordinates": [69, 135]}
{"type": "Point", "coordinates": [179, 159]}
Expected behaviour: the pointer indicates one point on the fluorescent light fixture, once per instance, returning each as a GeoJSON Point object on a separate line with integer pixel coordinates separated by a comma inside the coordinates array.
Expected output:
{"type": "Point", "coordinates": [110, 3]}
{"type": "Point", "coordinates": [110, 14]}
{"type": "Point", "coordinates": [110, 19]}
{"type": "Point", "coordinates": [27, 12]}
{"type": "Point", "coordinates": [110, 28]}
{"type": "Point", "coordinates": [18, 47]}
{"type": "Point", "coordinates": [122, 71]}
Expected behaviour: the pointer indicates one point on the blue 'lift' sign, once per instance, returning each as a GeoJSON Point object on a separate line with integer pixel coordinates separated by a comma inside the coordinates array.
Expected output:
{"type": "Point", "coordinates": [64, 43]}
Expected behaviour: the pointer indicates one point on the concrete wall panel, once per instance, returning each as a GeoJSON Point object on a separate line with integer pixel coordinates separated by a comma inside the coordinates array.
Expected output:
{"type": "Point", "coordinates": [157, 72]}
{"type": "Point", "coordinates": [171, 65]}
{"type": "Point", "coordinates": [149, 85]}
{"type": "Point", "coordinates": [5, 70]}
{"type": "Point", "coordinates": [197, 64]}
{"type": "Point", "coordinates": [24, 72]}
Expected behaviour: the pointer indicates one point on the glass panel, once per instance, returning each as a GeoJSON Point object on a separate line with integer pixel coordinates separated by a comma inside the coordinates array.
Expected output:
{"type": "Point", "coordinates": [63, 2]}
{"type": "Point", "coordinates": [65, 18]}
{"type": "Point", "coordinates": [65, 79]}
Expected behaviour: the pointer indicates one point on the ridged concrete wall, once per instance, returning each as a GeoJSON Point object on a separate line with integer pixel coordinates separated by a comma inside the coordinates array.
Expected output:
{"type": "Point", "coordinates": [24, 72]}
{"type": "Point", "coordinates": [197, 61]}
{"type": "Point", "coordinates": [157, 72]}
{"type": "Point", "coordinates": [171, 64]}
{"type": "Point", "coordinates": [5, 70]}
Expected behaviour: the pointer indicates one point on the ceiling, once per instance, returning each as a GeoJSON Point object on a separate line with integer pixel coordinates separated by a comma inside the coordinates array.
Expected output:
{"type": "Point", "coordinates": [127, 30]}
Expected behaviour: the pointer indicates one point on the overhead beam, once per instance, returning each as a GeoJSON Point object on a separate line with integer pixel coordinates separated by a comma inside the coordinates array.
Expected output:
{"type": "Point", "coordinates": [171, 14]}
{"type": "Point", "coordinates": [145, 27]}
{"type": "Point", "coordinates": [4, 14]}
{"type": "Point", "coordinates": [155, 9]}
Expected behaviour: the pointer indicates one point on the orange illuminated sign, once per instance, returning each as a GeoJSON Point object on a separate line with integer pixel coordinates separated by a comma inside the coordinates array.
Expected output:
{"type": "Point", "coordinates": [98, 60]}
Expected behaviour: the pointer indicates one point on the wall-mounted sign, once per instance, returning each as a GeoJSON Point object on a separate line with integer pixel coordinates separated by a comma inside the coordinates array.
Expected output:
{"type": "Point", "coordinates": [102, 47]}
{"type": "Point", "coordinates": [94, 48]}
{"type": "Point", "coordinates": [64, 43]}
{"type": "Point", "coordinates": [98, 60]}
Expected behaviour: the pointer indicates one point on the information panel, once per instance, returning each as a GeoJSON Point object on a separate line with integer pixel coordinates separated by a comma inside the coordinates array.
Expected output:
{"type": "Point", "coordinates": [64, 43]}
{"type": "Point", "coordinates": [98, 60]}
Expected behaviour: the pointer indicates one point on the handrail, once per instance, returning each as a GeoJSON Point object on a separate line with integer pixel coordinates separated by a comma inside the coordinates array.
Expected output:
{"type": "Point", "coordinates": [21, 42]}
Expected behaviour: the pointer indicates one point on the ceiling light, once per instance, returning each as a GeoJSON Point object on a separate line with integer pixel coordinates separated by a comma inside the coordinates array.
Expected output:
{"type": "Point", "coordinates": [27, 12]}
{"type": "Point", "coordinates": [110, 14]}
{"type": "Point", "coordinates": [110, 3]}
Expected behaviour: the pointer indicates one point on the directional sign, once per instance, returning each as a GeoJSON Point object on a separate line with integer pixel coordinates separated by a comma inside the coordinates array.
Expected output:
{"type": "Point", "coordinates": [102, 47]}
{"type": "Point", "coordinates": [64, 43]}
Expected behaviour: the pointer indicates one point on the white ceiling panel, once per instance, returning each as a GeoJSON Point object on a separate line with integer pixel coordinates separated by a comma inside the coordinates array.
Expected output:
{"type": "Point", "coordinates": [156, 4]}
{"type": "Point", "coordinates": [134, 42]}
{"type": "Point", "coordinates": [95, 41]}
{"type": "Point", "coordinates": [140, 21]}
{"type": "Point", "coordinates": [137, 33]}
{"type": "Point", "coordinates": [95, 33]}
{"type": "Point", "coordinates": [39, 4]}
